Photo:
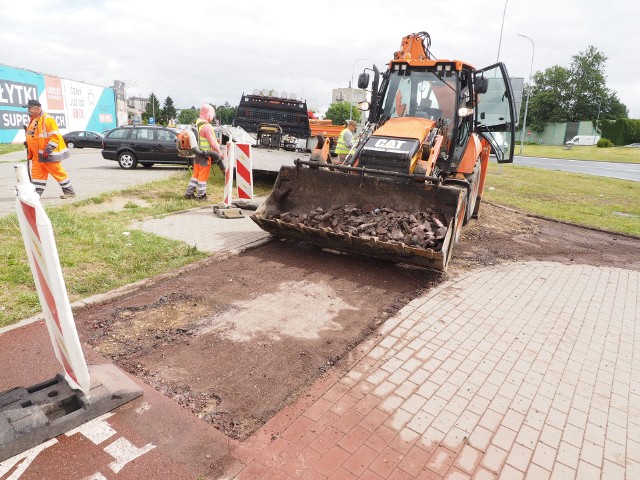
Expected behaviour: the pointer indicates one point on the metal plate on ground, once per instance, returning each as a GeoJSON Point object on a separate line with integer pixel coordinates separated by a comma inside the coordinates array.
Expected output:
{"type": "Point", "coordinates": [32, 415]}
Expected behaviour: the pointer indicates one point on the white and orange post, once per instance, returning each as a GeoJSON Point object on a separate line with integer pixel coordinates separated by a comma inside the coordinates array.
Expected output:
{"type": "Point", "coordinates": [42, 252]}
{"type": "Point", "coordinates": [238, 158]}
{"type": "Point", "coordinates": [244, 171]}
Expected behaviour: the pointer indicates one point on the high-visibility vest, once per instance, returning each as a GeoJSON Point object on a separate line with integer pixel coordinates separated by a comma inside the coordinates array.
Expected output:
{"type": "Point", "coordinates": [43, 131]}
{"type": "Point", "coordinates": [203, 143]}
{"type": "Point", "coordinates": [341, 147]}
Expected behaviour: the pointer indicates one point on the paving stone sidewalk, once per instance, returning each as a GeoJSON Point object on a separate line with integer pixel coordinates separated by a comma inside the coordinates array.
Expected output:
{"type": "Point", "coordinates": [525, 370]}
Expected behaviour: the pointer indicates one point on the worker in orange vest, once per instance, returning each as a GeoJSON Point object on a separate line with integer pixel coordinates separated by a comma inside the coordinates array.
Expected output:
{"type": "Point", "coordinates": [46, 150]}
{"type": "Point", "coordinates": [208, 149]}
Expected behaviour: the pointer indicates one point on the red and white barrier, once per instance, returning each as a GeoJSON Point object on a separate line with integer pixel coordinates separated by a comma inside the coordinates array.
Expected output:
{"type": "Point", "coordinates": [228, 174]}
{"type": "Point", "coordinates": [244, 171]}
{"type": "Point", "coordinates": [42, 252]}
{"type": "Point", "coordinates": [238, 158]}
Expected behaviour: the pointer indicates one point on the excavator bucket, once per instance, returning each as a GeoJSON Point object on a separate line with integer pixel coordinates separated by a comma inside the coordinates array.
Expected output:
{"type": "Point", "coordinates": [381, 216]}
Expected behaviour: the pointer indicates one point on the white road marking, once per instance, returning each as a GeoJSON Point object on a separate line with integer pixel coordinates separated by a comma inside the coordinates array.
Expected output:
{"type": "Point", "coordinates": [27, 456]}
{"type": "Point", "coordinates": [96, 430]}
{"type": "Point", "coordinates": [124, 452]}
{"type": "Point", "coordinates": [96, 476]}
{"type": "Point", "coordinates": [143, 408]}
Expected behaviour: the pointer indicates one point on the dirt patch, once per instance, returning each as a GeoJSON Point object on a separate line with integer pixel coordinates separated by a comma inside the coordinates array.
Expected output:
{"type": "Point", "coordinates": [501, 235]}
{"type": "Point", "coordinates": [115, 204]}
{"type": "Point", "coordinates": [235, 340]}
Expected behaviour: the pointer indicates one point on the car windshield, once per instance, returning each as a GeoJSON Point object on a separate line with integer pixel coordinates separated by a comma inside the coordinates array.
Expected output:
{"type": "Point", "coordinates": [421, 94]}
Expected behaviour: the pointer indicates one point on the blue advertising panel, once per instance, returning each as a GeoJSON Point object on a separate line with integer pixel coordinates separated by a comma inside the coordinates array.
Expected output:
{"type": "Point", "coordinates": [74, 105]}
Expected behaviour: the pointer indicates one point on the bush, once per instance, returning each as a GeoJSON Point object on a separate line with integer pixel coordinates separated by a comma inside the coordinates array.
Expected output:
{"type": "Point", "coordinates": [604, 143]}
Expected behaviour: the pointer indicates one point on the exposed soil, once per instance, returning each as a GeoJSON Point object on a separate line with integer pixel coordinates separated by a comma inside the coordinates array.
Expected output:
{"type": "Point", "coordinates": [236, 339]}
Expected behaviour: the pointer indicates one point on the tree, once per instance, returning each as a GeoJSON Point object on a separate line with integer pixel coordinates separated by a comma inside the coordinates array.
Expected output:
{"type": "Point", "coordinates": [338, 113]}
{"type": "Point", "coordinates": [188, 116]}
{"type": "Point", "coordinates": [226, 113]}
{"type": "Point", "coordinates": [153, 108]}
{"type": "Point", "coordinates": [168, 111]}
{"type": "Point", "coordinates": [573, 94]}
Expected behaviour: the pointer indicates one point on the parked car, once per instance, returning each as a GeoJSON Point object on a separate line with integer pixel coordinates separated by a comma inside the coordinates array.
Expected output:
{"type": "Point", "coordinates": [83, 139]}
{"type": "Point", "coordinates": [633, 145]}
{"type": "Point", "coordinates": [147, 145]}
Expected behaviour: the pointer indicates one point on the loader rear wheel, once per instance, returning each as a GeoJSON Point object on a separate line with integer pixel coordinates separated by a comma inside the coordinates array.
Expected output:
{"type": "Point", "coordinates": [472, 195]}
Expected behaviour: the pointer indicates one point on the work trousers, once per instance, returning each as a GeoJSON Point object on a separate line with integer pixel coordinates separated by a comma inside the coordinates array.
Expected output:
{"type": "Point", "coordinates": [198, 182]}
{"type": "Point", "coordinates": [40, 171]}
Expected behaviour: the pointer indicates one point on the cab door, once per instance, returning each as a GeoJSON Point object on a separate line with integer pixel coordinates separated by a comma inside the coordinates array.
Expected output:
{"type": "Point", "coordinates": [495, 115]}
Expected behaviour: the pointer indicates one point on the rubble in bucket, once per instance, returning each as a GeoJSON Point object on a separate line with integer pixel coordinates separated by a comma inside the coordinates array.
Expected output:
{"type": "Point", "coordinates": [425, 229]}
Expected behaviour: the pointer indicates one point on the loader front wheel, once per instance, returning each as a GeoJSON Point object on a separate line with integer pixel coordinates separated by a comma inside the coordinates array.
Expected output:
{"type": "Point", "coordinates": [472, 195]}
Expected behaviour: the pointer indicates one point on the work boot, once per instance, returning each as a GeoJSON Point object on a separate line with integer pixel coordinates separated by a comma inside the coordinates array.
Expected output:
{"type": "Point", "coordinates": [189, 196]}
{"type": "Point", "coordinates": [67, 193]}
{"type": "Point", "coordinates": [202, 198]}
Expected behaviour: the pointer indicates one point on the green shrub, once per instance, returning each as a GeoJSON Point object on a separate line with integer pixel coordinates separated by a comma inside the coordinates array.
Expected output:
{"type": "Point", "coordinates": [604, 143]}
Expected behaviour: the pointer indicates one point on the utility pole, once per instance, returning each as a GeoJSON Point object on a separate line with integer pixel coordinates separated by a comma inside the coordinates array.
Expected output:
{"type": "Point", "coordinates": [501, 28]}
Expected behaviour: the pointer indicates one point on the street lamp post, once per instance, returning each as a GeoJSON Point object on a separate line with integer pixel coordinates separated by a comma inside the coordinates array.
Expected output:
{"type": "Point", "coordinates": [526, 106]}
{"type": "Point", "coordinates": [501, 28]}
{"type": "Point", "coordinates": [351, 86]}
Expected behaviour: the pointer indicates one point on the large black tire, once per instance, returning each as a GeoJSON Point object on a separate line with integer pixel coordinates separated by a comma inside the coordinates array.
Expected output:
{"type": "Point", "coordinates": [71, 145]}
{"type": "Point", "coordinates": [127, 160]}
{"type": "Point", "coordinates": [472, 196]}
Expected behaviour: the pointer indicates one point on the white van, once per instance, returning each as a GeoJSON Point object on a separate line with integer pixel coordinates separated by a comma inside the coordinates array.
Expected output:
{"type": "Point", "coordinates": [583, 140]}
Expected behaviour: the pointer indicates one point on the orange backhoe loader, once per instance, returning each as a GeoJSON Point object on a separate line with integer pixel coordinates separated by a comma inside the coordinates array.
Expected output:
{"type": "Point", "coordinates": [417, 172]}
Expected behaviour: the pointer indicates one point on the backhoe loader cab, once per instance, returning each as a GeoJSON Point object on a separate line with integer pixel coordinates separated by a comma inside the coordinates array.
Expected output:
{"type": "Point", "coordinates": [417, 171]}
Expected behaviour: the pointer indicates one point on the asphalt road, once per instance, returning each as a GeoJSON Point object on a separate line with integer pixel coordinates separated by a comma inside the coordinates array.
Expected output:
{"type": "Point", "coordinates": [624, 171]}
{"type": "Point", "coordinates": [89, 172]}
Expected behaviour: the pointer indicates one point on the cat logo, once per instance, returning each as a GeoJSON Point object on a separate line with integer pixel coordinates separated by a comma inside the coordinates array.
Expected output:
{"type": "Point", "coordinates": [390, 144]}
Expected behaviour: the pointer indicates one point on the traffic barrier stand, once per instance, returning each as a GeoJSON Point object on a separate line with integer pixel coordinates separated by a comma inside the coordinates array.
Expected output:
{"type": "Point", "coordinates": [32, 415]}
{"type": "Point", "coordinates": [226, 208]}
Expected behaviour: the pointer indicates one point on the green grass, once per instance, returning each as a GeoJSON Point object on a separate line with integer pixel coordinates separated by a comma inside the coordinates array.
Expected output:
{"type": "Point", "coordinates": [613, 154]}
{"type": "Point", "coordinates": [95, 253]}
{"type": "Point", "coordinates": [598, 202]}
{"type": "Point", "coordinates": [10, 147]}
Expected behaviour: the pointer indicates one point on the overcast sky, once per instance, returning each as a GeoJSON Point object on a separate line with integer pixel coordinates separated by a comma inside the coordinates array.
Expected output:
{"type": "Point", "coordinates": [209, 51]}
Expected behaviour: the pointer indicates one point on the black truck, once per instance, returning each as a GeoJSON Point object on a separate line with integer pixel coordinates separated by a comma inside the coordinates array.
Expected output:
{"type": "Point", "coordinates": [291, 116]}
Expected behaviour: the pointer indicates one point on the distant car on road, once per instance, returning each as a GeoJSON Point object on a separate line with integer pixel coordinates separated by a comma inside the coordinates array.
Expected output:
{"type": "Point", "coordinates": [633, 145]}
{"type": "Point", "coordinates": [147, 145]}
{"type": "Point", "coordinates": [83, 139]}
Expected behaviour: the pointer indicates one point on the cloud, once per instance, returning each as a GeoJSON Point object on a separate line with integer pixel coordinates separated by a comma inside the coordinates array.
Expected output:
{"type": "Point", "coordinates": [199, 52]}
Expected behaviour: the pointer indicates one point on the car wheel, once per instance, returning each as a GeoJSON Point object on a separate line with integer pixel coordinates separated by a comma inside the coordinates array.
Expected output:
{"type": "Point", "coordinates": [71, 145]}
{"type": "Point", "coordinates": [127, 160]}
{"type": "Point", "coordinates": [147, 164]}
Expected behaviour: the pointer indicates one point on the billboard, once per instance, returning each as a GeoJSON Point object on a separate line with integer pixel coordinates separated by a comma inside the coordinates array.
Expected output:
{"type": "Point", "coordinates": [74, 105]}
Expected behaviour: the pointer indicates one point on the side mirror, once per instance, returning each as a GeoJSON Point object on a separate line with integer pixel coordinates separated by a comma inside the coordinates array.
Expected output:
{"type": "Point", "coordinates": [482, 85]}
{"type": "Point", "coordinates": [363, 81]}
{"type": "Point", "coordinates": [364, 106]}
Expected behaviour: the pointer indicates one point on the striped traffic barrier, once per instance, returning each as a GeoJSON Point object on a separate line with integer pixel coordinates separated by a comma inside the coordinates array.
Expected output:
{"type": "Point", "coordinates": [42, 252]}
{"type": "Point", "coordinates": [244, 171]}
{"type": "Point", "coordinates": [228, 174]}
